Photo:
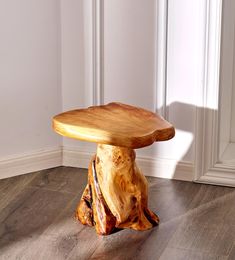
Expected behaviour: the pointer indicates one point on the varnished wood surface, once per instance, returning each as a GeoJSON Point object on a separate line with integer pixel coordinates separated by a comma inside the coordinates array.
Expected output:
{"type": "Point", "coordinates": [116, 195]}
{"type": "Point", "coordinates": [36, 221]}
{"type": "Point", "coordinates": [115, 124]}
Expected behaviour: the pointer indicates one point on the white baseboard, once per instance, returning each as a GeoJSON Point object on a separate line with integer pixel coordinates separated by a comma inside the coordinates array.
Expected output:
{"type": "Point", "coordinates": [162, 168]}
{"type": "Point", "coordinates": [40, 160]}
{"type": "Point", "coordinates": [215, 180]}
{"type": "Point", "coordinates": [26, 163]}
{"type": "Point", "coordinates": [166, 168]}
{"type": "Point", "coordinates": [75, 158]}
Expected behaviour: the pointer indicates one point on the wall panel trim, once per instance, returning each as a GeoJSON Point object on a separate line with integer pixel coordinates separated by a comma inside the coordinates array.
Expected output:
{"type": "Point", "coordinates": [161, 57]}
{"type": "Point", "coordinates": [98, 51]}
{"type": "Point", "coordinates": [208, 169]}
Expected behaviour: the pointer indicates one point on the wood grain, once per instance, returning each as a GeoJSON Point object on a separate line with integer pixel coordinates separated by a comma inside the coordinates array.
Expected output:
{"type": "Point", "coordinates": [31, 213]}
{"type": "Point", "coordinates": [117, 193]}
{"type": "Point", "coordinates": [115, 124]}
{"type": "Point", "coordinates": [66, 179]}
{"type": "Point", "coordinates": [10, 187]}
{"type": "Point", "coordinates": [182, 254]}
{"type": "Point", "coordinates": [232, 253]}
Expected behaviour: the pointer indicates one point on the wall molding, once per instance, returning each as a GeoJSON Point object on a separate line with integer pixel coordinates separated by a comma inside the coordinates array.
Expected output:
{"type": "Point", "coordinates": [98, 52]}
{"type": "Point", "coordinates": [161, 57]}
{"type": "Point", "coordinates": [30, 162]}
{"type": "Point", "coordinates": [155, 167]}
{"type": "Point", "coordinates": [208, 169]}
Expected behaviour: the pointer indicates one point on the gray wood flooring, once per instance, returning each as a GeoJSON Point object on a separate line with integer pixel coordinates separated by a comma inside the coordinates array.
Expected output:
{"type": "Point", "coordinates": [36, 221]}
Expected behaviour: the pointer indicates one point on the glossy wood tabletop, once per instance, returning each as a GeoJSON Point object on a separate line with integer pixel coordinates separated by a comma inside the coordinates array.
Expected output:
{"type": "Point", "coordinates": [115, 124]}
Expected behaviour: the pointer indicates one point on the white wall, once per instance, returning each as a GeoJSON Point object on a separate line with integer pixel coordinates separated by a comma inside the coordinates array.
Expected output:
{"type": "Point", "coordinates": [54, 49]}
{"type": "Point", "coordinates": [76, 61]}
{"type": "Point", "coordinates": [129, 52]}
{"type": "Point", "coordinates": [227, 71]}
{"type": "Point", "coordinates": [130, 29]}
{"type": "Point", "coordinates": [72, 58]}
{"type": "Point", "coordinates": [186, 32]}
{"type": "Point", "coordinates": [29, 76]}
{"type": "Point", "coordinates": [130, 32]}
{"type": "Point", "coordinates": [72, 54]}
{"type": "Point", "coordinates": [232, 129]}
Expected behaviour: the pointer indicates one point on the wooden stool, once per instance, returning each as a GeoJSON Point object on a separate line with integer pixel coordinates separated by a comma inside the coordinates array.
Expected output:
{"type": "Point", "coordinates": [116, 195]}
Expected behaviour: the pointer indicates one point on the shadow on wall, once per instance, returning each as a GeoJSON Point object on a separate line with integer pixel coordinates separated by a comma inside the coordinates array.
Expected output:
{"type": "Point", "coordinates": [182, 147]}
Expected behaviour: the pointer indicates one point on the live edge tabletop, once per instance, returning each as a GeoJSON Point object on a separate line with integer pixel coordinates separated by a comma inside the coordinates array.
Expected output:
{"type": "Point", "coordinates": [115, 124]}
{"type": "Point", "coordinates": [116, 195]}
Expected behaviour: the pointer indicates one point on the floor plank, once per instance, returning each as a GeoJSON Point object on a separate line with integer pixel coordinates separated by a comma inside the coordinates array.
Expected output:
{"type": "Point", "coordinates": [182, 254]}
{"type": "Point", "coordinates": [205, 228]}
{"type": "Point", "coordinates": [60, 237]}
{"type": "Point", "coordinates": [36, 221]}
{"type": "Point", "coordinates": [10, 187]}
{"type": "Point", "coordinates": [64, 179]}
{"type": "Point", "coordinates": [31, 214]}
{"type": "Point", "coordinates": [232, 253]}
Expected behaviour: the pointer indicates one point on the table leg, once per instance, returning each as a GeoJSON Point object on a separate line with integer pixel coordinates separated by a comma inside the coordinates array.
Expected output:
{"type": "Point", "coordinates": [116, 195]}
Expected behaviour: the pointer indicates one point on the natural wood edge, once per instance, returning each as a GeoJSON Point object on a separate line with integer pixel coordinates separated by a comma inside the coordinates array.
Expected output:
{"type": "Point", "coordinates": [87, 125]}
{"type": "Point", "coordinates": [92, 209]}
{"type": "Point", "coordinates": [111, 214]}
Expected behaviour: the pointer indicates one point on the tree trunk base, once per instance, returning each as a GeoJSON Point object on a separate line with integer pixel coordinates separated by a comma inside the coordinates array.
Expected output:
{"type": "Point", "coordinates": [116, 195]}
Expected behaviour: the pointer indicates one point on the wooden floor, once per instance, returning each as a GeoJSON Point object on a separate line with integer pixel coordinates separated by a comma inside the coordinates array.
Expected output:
{"type": "Point", "coordinates": [36, 221]}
